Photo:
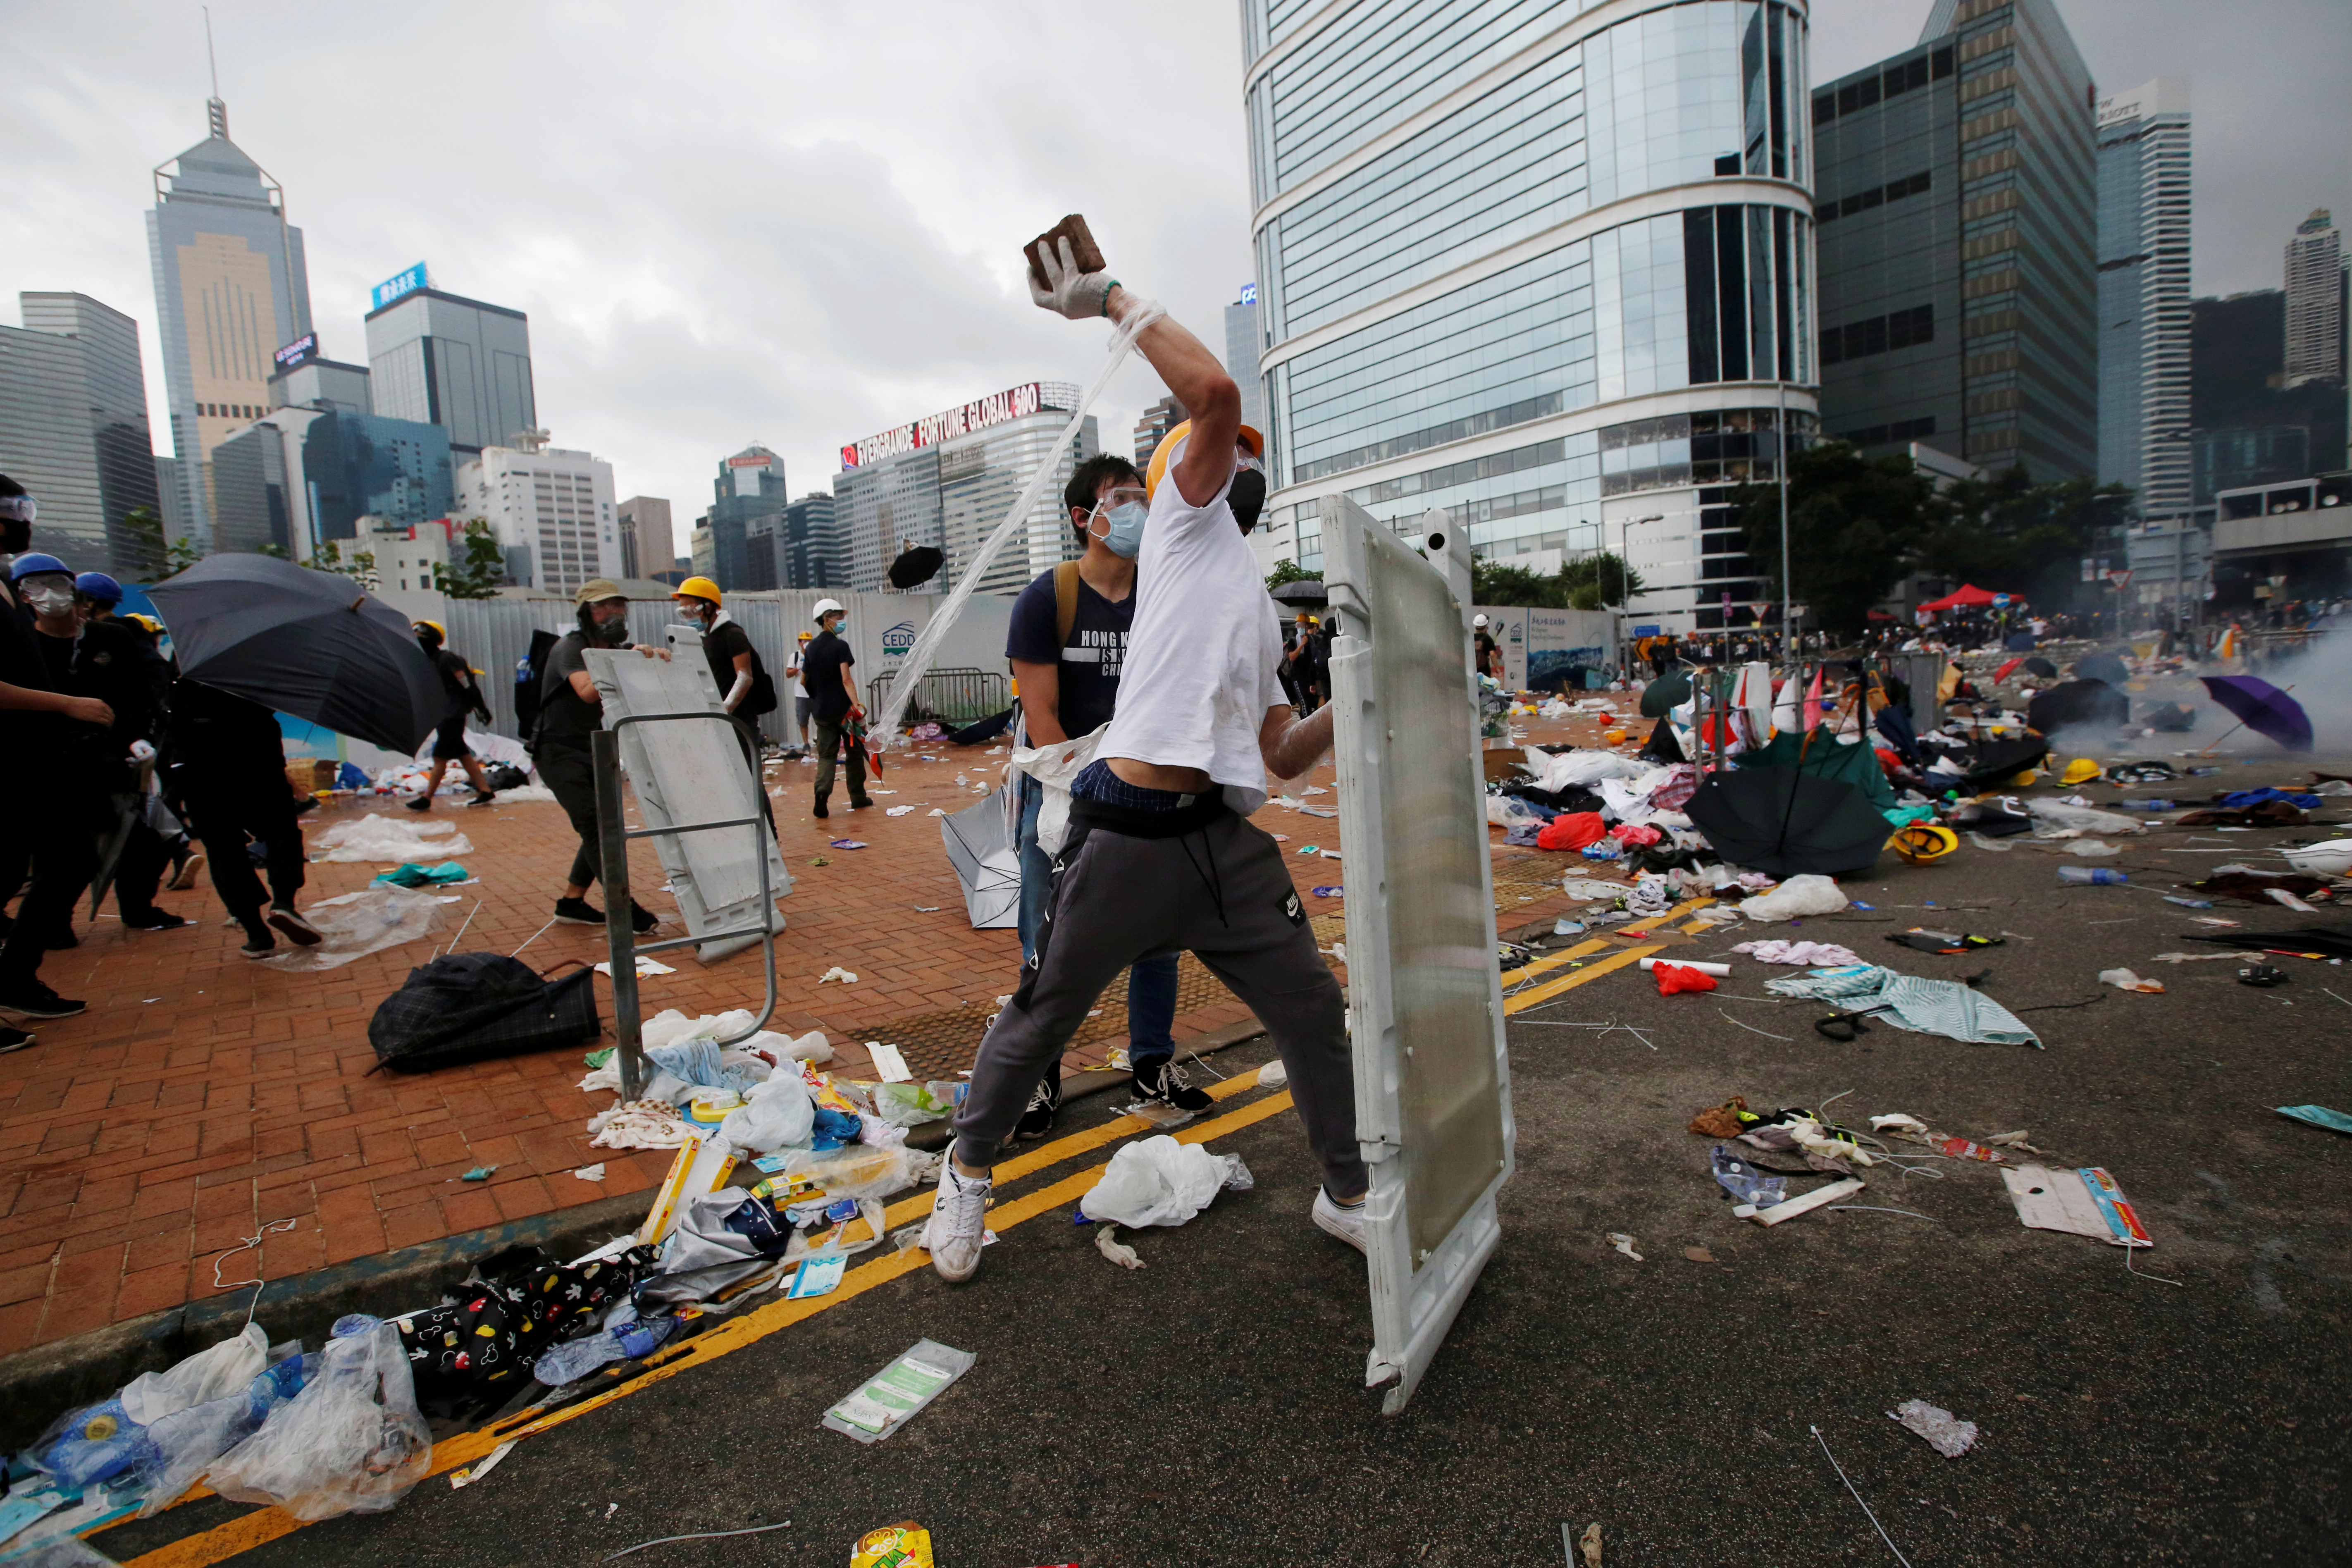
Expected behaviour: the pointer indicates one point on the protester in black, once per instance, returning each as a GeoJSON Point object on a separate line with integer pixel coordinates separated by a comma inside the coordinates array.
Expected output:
{"type": "Point", "coordinates": [571, 709]}
{"type": "Point", "coordinates": [833, 699]}
{"type": "Point", "coordinates": [460, 696]}
{"type": "Point", "coordinates": [226, 779]}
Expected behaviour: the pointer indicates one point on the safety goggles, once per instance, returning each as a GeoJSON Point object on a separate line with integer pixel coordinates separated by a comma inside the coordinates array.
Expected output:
{"type": "Point", "coordinates": [19, 508]}
{"type": "Point", "coordinates": [1120, 498]}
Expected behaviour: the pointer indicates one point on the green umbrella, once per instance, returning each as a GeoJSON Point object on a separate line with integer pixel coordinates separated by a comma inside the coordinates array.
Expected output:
{"type": "Point", "coordinates": [1671, 689]}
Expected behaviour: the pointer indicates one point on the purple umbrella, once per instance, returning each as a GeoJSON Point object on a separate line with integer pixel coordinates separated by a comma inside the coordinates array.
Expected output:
{"type": "Point", "coordinates": [2262, 707]}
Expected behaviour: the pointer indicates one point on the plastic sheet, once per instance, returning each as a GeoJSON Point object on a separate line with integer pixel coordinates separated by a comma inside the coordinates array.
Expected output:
{"type": "Point", "coordinates": [1159, 1181]}
{"type": "Point", "coordinates": [352, 1442]}
{"type": "Point", "coordinates": [357, 924]}
{"type": "Point", "coordinates": [382, 837]}
{"type": "Point", "coordinates": [1798, 896]}
{"type": "Point", "coordinates": [213, 1373]}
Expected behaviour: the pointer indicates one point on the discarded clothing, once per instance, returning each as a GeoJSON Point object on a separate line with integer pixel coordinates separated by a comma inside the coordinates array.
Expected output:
{"type": "Point", "coordinates": [1943, 1007]}
{"type": "Point", "coordinates": [1571, 830]}
{"type": "Point", "coordinates": [1816, 955]}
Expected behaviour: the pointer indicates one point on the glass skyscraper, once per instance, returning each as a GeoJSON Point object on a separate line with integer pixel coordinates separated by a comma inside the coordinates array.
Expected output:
{"type": "Point", "coordinates": [1544, 263]}
{"type": "Point", "coordinates": [2143, 310]}
{"type": "Point", "coordinates": [442, 359]}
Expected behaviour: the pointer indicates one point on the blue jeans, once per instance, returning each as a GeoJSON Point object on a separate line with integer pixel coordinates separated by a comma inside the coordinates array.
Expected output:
{"type": "Point", "coordinates": [1150, 982]}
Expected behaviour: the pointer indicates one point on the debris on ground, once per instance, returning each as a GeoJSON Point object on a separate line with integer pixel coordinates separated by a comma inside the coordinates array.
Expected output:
{"type": "Point", "coordinates": [1624, 1243]}
{"type": "Point", "coordinates": [2084, 1202]}
{"type": "Point", "coordinates": [2318, 1116]}
{"type": "Point", "coordinates": [900, 1391]}
{"type": "Point", "coordinates": [2124, 980]}
{"type": "Point", "coordinates": [1158, 1181]}
{"type": "Point", "coordinates": [1946, 1433]}
{"type": "Point", "coordinates": [1107, 1242]}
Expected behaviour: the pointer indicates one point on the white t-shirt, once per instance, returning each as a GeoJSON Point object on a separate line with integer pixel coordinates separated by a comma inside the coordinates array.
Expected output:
{"type": "Point", "coordinates": [1203, 653]}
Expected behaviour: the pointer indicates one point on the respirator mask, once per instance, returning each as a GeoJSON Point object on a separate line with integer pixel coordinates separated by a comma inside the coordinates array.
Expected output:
{"type": "Point", "coordinates": [1246, 494]}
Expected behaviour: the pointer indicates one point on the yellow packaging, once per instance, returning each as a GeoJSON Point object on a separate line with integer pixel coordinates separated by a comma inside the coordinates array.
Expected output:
{"type": "Point", "coordinates": [903, 1545]}
{"type": "Point", "coordinates": [797, 1186]}
{"type": "Point", "coordinates": [821, 1089]}
{"type": "Point", "coordinates": [699, 1168]}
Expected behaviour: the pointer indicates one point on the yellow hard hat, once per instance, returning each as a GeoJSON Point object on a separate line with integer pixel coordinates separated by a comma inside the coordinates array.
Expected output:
{"type": "Point", "coordinates": [697, 588]}
{"type": "Point", "coordinates": [1165, 453]}
{"type": "Point", "coordinates": [808, 637]}
{"type": "Point", "coordinates": [2082, 770]}
{"type": "Point", "coordinates": [1923, 842]}
{"type": "Point", "coordinates": [438, 629]}
{"type": "Point", "coordinates": [149, 622]}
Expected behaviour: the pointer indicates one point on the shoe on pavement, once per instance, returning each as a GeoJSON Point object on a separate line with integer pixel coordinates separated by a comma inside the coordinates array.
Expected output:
{"type": "Point", "coordinates": [34, 1000]}
{"type": "Point", "coordinates": [189, 870]}
{"type": "Point", "coordinates": [258, 943]}
{"type": "Point", "coordinates": [577, 912]}
{"type": "Point", "coordinates": [298, 931]}
{"type": "Point", "coordinates": [14, 1039]}
{"type": "Point", "coordinates": [1347, 1224]}
{"type": "Point", "coordinates": [484, 797]}
{"type": "Point", "coordinates": [859, 804]}
{"type": "Point", "coordinates": [958, 1223]}
{"type": "Point", "coordinates": [154, 920]}
{"type": "Point", "coordinates": [62, 939]}
{"type": "Point", "coordinates": [1168, 1084]}
{"type": "Point", "coordinates": [422, 802]}
{"type": "Point", "coordinates": [1044, 1104]}
{"type": "Point", "coordinates": [641, 919]}
{"type": "Point", "coordinates": [818, 810]}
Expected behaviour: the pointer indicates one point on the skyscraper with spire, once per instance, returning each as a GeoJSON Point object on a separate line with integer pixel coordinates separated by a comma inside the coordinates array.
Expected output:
{"type": "Point", "coordinates": [231, 288]}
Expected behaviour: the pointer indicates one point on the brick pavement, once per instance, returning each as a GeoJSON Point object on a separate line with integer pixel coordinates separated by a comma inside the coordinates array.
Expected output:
{"type": "Point", "coordinates": [204, 1095]}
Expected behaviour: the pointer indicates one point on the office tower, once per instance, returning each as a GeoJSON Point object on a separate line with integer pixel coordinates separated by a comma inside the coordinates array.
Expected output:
{"type": "Point", "coordinates": [644, 536]}
{"type": "Point", "coordinates": [748, 501]}
{"type": "Point", "coordinates": [1242, 346]}
{"type": "Point", "coordinates": [442, 359]}
{"type": "Point", "coordinates": [813, 554]}
{"type": "Point", "coordinates": [306, 379]}
{"type": "Point", "coordinates": [552, 510]}
{"type": "Point", "coordinates": [231, 288]}
{"type": "Point", "coordinates": [73, 431]}
{"type": "Point", "coordinates": [2314, 300]}
{"type": "Point", "coordinates": [2251, 428]}
{"type": "Point", "coordinates": [1546, 266]}
{"type": "Point", "coordinates": [1959, 276]}
{"type": "Point", "coordinates": [947, 480]}
{"type": "Point", "coordinates": [2144, 320]}
{"type": "Point", "coordinates": [301, 479]}
{"type": "Point", "coordinates": [1152, 428]}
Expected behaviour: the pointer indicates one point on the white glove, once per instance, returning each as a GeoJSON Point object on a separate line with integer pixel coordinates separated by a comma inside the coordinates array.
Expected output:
{"type": "Point", "coordinates": [141, 752]}
{"type": "Point", "coordinates": [1081, 295]}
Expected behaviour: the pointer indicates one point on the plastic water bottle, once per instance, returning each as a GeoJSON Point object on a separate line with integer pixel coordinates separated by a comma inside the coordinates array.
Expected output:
{"type": "Point", "coordinates": [2090, 874]}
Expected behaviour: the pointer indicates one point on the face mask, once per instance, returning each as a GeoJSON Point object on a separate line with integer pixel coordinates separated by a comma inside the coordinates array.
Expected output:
{"type": "Point", "coordinates": [1247, 498]}
{"type": "Point", "coordinates": [614, 632]}
{"type": "Point", "coordinates": [49, 600]}
{"type": "Point", "coordinates": [1123, 530]}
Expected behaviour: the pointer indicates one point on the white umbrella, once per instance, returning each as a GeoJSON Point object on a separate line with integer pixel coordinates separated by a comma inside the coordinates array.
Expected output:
{"type": "Point", "coordinates": [981, 849]}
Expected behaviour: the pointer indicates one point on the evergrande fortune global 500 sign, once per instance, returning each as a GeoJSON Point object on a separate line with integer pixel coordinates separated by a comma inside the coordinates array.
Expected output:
{"type": "Point", "coordinates": [998, 408]}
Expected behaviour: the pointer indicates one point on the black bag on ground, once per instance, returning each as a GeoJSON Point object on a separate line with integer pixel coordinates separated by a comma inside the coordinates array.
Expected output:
{"type": "Point", "coordinates": [467, 1006]}
{"type": "Point", "coordinates": [506, 775]}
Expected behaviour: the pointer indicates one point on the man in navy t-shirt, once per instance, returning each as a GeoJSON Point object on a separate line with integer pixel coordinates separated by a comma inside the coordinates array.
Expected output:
{"type": "Point", "coordinates": [1069, 684]}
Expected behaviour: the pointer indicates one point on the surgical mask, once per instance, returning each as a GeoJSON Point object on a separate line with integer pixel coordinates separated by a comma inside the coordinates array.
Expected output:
{"type": "Point", "coordinates": [49, 601]}
{"type": "Point", "coordinates": [1123, 528]}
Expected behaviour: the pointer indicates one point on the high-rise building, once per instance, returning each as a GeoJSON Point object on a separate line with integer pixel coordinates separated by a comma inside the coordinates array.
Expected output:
{"type": "Point", "coordinates": [231, 288]}
{"type": "Point", "coordinates": [550, 509]}
{"type": "Point", "coordinates": [748, 501]}
{"type": "Point", "coordinates": [302, 478]}
{"type": "Point", "coordinates": [74, 433]}
{"type": "Point", "coordinates": [814, 551]}
{"type": "Point", "coordinates": [1547, 265]}
{"type": "Point", "coordinates": [305, 380]}
{"type": "Point", "coordinates": [2251, 427]}
{"type": "Point", "coordinates": [1158, 420]}
{"type": "Point", "coordinates": [947, 480]}
{"type": "Point", "coordinates": [2144, 319]}
{"type": "Point", "coordinates": [1958, 217]}
{"type": "Point", "coordinates": [2314, 300]}
{"type": "Point", "coordinates": [442, 359]}
{"type": "Point", "coordinates": [644, 536]}
{"type": "Point", "coordinates": [1242, 347]}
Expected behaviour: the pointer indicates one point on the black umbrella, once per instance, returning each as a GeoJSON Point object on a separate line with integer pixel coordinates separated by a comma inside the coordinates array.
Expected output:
{"type": "Point", "coordinates": [2042, 667]}
{"type": "Point", "coordinates": [1999, 760]}
{"type": "Point", "coordinates": [1303, 591]}
{"type": "Point", "coordinates": [916, 565]}
{"type": "Point", "coordinates": [2103, 667]}
{"type": "Point", "coordinates": [2078, 703]}
{"type": "Point", "coordinates": [1785, 823]}
{"type": "Point", "coordinates": [2019, 642]}
{"type": "Point", "coordinates": [311, 643]}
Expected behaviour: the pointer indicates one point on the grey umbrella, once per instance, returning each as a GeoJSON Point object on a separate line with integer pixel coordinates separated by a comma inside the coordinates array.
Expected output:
{"type": "Point", "coordinates": [981, 849]}
{"type": "Point", "coordinates": [1303, 591]}
{"type": "Point", "coordinates": [313, 644]}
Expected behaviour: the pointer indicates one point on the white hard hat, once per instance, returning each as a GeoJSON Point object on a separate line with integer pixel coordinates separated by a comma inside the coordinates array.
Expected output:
{"type": "Point", "coordinates": [1477, 620]}
{"type": "Point", "coordinates": [825, 608]}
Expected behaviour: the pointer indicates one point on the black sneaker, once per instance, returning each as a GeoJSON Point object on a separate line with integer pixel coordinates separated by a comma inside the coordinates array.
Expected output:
{"type": "Point", "coordinates": [818, 809]}
{"type": "Point", "coordinates": [1043, 1105]}
{"type": "Point", "coordinates": [34, 1000]}
{"type": "Point", "coordinates": [258, 943]}
{"type": "Point", "coordinates": [641, 919]}
{"type": "Point", "coordinates": [577, 912]}
{"type": "Point", "coordinates": [298, 931]}
{"type": "Point", "coordinates": [154, 920]}
{"type": "Point", "coordinates": [859, 804]}
{"type": "Point", "coordinates": [190, 866]}
{"type": "Point", "coordinates": [14, 1039]}
{"type": "Point", "coordinates": [422, 802]}
{"type": "Point", "coordinates": [1167, 1083]}
{"type": "Point", "coordinates": [484, 797]}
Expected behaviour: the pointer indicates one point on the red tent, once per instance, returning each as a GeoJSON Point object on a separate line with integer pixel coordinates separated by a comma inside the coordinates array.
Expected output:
{"type": "Point", "coordinates": [1967, 597]}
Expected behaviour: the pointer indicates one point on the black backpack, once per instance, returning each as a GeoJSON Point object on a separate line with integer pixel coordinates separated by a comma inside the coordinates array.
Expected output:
{"type": "Point", "coordinates": [467, 1006]}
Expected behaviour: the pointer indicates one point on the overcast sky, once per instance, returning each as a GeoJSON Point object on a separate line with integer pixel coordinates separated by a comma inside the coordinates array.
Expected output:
{"type": "Point", "coordinates": [799, 223]}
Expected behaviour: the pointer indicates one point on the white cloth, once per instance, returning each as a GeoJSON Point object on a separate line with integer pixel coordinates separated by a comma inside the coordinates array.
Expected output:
{"type": "Point", "coordinates": [1203, 651]}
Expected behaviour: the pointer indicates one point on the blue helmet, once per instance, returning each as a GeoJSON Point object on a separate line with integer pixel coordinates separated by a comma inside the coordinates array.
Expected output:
{"type": "Point", "coordinates": [36, 562]}
{"type": "Point", "coordinates": [99, 587]}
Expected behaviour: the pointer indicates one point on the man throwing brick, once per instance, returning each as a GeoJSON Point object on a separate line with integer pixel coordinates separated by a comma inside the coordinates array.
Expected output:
{"type": "Point", "coordinates": [1160, 856]}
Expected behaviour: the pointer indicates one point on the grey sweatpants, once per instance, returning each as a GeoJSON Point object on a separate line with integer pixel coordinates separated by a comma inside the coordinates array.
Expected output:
{"type": "Point", "coordinates": [1222, 893]}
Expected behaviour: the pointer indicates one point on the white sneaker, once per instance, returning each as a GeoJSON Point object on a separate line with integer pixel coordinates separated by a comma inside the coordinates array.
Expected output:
{"type": "Point", "coordinates": [1347, 1224]}
{"type": "Point", "coordinates": [958, 1223]}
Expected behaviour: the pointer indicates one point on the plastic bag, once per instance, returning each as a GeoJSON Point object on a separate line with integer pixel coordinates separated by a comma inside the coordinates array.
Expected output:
{"type": "Point", "coordinates": [186, 1441]}
{"type": "Point", "coordinates": [912, 1104]}
{"type": "Point", "coordinates": [357, 924]}
{"type": "Point", "coordinates": [696, 1061]}
{"type": "Point", "coordinates": [213, 1374]}
{"type": "Point", "coordinates": [383, 837]}
{"type": "Point", "coordinates": [1161, 1182]}
{"type": "Point", "coordinates": [2054, 818]}
{"type": "Point", "coordinates": [95, 1443]}
{"type": "Point", "coordinates": [777, 1114]}
{"type": "Point", "coordinates": [1805, 894]}
{"type": "Point", "coordinates": [352, 1442]}
{"type": "Point", "coordinates": [856, 1172]}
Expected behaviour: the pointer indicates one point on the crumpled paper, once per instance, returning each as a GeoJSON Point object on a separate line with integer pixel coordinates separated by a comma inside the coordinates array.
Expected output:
{"type": "Point", "coordinates": [1948, 1434]}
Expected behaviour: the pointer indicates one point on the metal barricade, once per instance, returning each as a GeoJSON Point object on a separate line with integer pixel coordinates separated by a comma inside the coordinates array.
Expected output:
{"type": "Point", "coordinates": [950, 696]}
{"type": "Point", "coordinates": [612, 835]}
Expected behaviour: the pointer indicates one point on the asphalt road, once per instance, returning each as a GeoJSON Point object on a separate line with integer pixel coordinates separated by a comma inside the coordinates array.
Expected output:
{"type": "Point", "coordinates": [1210, 1410]}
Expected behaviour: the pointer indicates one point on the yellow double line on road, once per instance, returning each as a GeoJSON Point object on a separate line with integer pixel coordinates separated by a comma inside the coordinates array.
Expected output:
{"type": "Point", "coordinates": [1618, 958]}
{"type": "Point", "coordinates": [259, 1528]}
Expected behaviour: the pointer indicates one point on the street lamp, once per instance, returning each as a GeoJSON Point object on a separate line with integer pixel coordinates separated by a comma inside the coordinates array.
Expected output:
{"type": "Point", "coordinates": [1625, 573]}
